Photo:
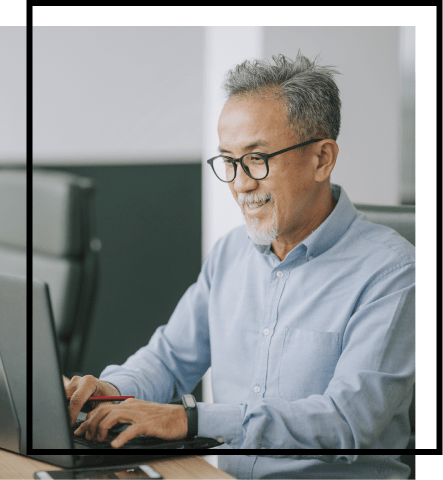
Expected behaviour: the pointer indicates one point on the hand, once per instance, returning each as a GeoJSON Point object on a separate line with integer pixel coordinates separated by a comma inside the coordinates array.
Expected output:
{"type": "Point", "coordinates": [81, 388]}
{"type": "Point", "coordinates": [169, 422]}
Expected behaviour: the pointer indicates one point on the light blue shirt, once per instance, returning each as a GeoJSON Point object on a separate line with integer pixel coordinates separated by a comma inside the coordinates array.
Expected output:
{"type": "Point", "coordinates": [313, 352]}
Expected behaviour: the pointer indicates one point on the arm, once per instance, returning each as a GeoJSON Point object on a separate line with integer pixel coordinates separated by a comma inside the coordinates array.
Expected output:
{"type": "Point", "coordinates": [177, 355]}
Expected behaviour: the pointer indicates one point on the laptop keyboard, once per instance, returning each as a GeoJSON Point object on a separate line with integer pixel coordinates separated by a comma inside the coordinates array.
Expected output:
{"type": "Point", "coordinates": [142, 441]}
{"type": "Point", "coordinates": [137, 442]}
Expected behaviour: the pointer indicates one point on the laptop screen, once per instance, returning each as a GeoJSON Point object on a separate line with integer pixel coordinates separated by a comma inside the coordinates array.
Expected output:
{"type": "Point", "coordinates": [50, 421]}
{"type": "Point", "coordinates": [13, 363]}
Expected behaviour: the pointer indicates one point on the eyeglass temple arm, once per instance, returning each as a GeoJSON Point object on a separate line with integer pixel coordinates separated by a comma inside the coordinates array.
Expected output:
{"type": "Point", "coordinates": [296, 146]}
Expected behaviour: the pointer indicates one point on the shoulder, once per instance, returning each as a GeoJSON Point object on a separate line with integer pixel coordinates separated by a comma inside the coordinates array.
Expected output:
{"type": "Point", "coordinates": [381, 241]}
{"type": "Point", "coordinates": [376, 252]}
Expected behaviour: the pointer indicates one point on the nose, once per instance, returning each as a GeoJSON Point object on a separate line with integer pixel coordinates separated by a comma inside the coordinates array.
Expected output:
{"type": "Point", "coordinates": [242, 182]}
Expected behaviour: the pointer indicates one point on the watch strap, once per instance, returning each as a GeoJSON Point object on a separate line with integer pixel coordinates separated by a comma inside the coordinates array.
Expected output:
{"type": "Point", "coordinates": [190, 405]}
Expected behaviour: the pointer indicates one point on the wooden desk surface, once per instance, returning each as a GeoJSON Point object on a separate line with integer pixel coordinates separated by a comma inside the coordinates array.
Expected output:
{"type": "Point", "coordinates": [14, 466]}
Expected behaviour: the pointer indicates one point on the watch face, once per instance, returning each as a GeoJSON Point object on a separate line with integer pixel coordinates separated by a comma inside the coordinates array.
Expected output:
{"type": "Point", "coordinates": [190, 401]}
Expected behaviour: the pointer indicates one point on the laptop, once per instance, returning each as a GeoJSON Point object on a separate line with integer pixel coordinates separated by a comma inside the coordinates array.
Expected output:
{"type": "Point", "coordinates": [50, 429]}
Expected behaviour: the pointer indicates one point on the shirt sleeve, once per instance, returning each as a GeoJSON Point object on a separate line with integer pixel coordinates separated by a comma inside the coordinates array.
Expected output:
{"type": "Point", "coordinates": [373, 379]}
{"type": "Point", "coordinates": [177, 355]}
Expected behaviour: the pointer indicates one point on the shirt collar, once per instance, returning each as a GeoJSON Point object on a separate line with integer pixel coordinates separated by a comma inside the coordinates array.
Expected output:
{"type": "Point", "coordinates": [328, 232]}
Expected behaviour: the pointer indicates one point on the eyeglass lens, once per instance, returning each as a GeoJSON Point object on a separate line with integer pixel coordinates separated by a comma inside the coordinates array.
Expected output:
{"type": "Point", "coordinates": [254, 164]}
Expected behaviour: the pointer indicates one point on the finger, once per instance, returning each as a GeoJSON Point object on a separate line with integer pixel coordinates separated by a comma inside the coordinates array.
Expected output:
{"type": "Point", "coordinates": [66, 381]}
{"type": "Point", "coordinates": [81, 429]}
{"type": "Point", "coordinates": [97, 424]}
{"type": "Point", "coordinates": [93, 416]}
{"type": "Point", "coordinates": [79, 397]}
{"type": "Point", "coordinates": [90, 415]}
{"type": "Point", "coordinates": [97, 417]}
{"type": "Point", "coordinates": [115, 417]}
{"type": "Point", "coordinates": [72, 386]}
{"type": "Point", "coordinates": [130, 433]}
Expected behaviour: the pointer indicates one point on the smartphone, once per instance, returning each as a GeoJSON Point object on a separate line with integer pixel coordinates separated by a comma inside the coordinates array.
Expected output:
{"type": "Point", "coordinates": [125, 471]}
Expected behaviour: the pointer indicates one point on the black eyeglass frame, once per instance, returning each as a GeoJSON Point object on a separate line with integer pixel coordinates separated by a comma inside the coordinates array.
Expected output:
{"type": "Point", "coordinates": [264, 156]}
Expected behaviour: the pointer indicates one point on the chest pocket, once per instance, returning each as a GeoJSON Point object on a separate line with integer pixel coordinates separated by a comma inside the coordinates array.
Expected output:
{"type": "Point", "coordinates": [307, 363]}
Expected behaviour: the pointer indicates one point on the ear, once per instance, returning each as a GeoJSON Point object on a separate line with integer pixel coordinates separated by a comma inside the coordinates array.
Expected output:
{"type": "Point", "coordinates": [326, 152]}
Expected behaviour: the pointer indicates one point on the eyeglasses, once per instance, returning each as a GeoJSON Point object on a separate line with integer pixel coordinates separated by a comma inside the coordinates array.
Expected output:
{"type": "Point", "coordinates": [254, 164]}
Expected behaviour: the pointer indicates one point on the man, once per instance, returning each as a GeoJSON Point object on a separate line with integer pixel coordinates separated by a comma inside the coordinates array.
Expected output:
{"type": "Point", "coordinates": [308, 324]}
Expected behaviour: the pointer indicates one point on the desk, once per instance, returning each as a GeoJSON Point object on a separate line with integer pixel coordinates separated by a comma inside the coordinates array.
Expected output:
{"type": "Point", "coordinates": [17, 466]}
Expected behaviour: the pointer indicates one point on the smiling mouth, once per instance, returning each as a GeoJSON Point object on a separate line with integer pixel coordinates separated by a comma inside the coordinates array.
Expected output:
{"type": "Point", "coordinates": [255, 206]}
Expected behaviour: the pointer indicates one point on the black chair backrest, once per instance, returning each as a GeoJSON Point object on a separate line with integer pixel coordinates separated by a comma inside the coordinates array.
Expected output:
{"type": "Point", "coordinates": [64, 251]}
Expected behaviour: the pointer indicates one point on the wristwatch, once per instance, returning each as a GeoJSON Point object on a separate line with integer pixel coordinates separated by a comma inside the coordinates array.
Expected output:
{"type": "Point", "coordinates": [192, 412]}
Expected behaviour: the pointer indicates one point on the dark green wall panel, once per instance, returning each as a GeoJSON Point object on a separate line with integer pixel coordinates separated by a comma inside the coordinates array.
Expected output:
{"type": "Point", "coordinates": [149, 222]}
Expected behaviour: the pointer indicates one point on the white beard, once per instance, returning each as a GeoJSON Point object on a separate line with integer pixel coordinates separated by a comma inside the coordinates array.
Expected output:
{"type": "Point", "coordinates": [259, 236]}
{"type": "Point", "coordinates": [262, 237]}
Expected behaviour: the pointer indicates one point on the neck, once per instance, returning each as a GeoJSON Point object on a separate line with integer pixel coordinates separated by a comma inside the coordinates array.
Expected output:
{"type": "Point", "coordinates": [323, 207]}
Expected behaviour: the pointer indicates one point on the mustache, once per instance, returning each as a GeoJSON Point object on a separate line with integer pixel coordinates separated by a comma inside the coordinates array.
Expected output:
{"type": "Point", "coordinates": [245, 198]}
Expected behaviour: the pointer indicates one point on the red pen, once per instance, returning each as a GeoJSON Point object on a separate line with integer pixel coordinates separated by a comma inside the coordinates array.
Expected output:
{"type": "Point", "coordinates": [107, 398]}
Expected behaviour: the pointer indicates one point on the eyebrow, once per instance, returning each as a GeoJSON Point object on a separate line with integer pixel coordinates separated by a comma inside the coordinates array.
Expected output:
{"type": "Point", "coordinates": [256, 143]}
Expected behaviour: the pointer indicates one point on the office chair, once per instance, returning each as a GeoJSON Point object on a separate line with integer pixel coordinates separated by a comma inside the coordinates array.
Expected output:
{"type": "Point", "coordinates": [64, 251]}
{"type": "Point", "coordinates": [402, 220]}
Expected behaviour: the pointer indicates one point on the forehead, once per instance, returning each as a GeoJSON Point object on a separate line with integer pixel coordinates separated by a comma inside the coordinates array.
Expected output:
{"type": "Point", "coordinates": [244, 120]}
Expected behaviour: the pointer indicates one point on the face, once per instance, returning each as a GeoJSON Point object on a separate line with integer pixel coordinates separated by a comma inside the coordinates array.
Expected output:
{"type": "Point", "coordinates": [279, 207]}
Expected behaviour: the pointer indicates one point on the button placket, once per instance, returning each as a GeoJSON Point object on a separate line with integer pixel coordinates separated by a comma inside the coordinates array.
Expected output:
{"type": "Point", "coordinates": [270, 319]}
{"type": "Point", "coordinates": [259, 378]}
{"type": "Point", "coordinates": [276, 287]}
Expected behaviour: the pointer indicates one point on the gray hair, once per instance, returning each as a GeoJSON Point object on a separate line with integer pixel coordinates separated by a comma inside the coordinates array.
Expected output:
{"type": "Point", "coordinates": [308, 91]}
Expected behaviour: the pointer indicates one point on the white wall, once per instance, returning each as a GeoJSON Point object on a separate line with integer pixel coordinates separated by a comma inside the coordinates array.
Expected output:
{"type": "Point", "coordinates": [117, 94]}
{"type": "Point", "coordinates": [407, 115]}
{"type": "Point", "coordinates": [13, 95]}
{"type": "Point", "coordinates": [368, 59]}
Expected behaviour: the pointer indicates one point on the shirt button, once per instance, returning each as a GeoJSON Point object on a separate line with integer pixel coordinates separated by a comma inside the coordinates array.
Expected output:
{"type": "Point", "coordinates": [266, 331]}
{"type": "Point", "coordinates": [279, 274]}
{"type": "Point", "coordinates": [310, 257]}
{"type": "Point", "coordinates": [256, 389]}
{"type": "Point", "coordinates": [220, 439]}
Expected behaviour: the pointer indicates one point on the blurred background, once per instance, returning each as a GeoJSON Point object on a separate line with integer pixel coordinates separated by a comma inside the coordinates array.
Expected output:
{"type": "Point", "coordinates": [135, 110]}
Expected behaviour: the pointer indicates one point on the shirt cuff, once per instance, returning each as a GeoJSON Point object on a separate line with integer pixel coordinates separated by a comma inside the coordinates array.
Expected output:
{"type": "Point", "coordinates": [220, 421]}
